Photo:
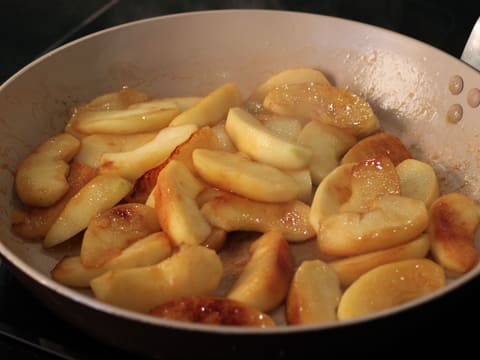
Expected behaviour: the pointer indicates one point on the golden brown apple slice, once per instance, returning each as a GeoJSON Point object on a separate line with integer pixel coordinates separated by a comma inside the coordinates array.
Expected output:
{"type": "Point", "coordinates": [332, 192]}
{"type": "Point", "coordinates": [327, 104]}
{"type": "Point", "coordinates": [370, 179]}
{"type": "Point", "coordinates": [34, 223]}
{"type": "Point", "coordinates": [113, 230]}
{"type": "Point", "coordinates": [193, 270]}
{"type": "Point", "coordinates": [176, 207]}
{"type": "Point", "coordinates": [133, 164]}
{"type": "Point", "coordinates": [94, 146]}
{"type": "Point", "coordinates": [389, 285]}
{"type": "Point", "coordinates": [392, 220]}
{"type": "Point", "coordinates": [453, 221]}
{"type": "Point", "coordinates": [377, 145]}
{"type": "Point", "coordinates": [232, 212]}
{"type": "Point", "coordinates": [314, 294]}
{"type": "Point", "coordinates": [328, 144]}
{"type": "Point", "coordinates": [213, 311]}
{"type": "Point", "coordinates": [40, 179]}
{"type": "Point", "coordinates": [147, 251]}
{"type": "Point", "coordinates": [418, 181]}
{"type": "Point", "coordinates": [351, 268]}
{"type": "Point", "coordinates": [98, 195]}
{"type": "Point", "coordinates": [212, 108]}
{"type": "Point", "coordinates": [238, 174]}
{"type": "Point", "coordinates": [254, 139]}
{"type": "Point", "coordinates": [265, 280]}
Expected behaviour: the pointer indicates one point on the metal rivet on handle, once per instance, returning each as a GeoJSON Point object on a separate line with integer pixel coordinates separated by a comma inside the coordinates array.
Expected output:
{"type": "Point", "coordinates": [473, 97]}
{"type": "Point", "coordinates": [455, 113]}
{"type": "Point", "coordinates": [455, 85]}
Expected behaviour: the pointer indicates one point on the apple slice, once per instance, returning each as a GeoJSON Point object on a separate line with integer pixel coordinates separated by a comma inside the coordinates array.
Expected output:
{"type": "Point", "coordinates": [147, 251]}
{"type": "Point", "coordinates": [232, 212]}
{"type": "Point", "coordinates": [377, 145]}
{"type": "Point", "coordinates": [212, 108]}
{"type": "Point", "coordinates": [213, 311]}
{"type": "Point", "coordinates": [133, 164]}
{"type": "Point", "coordinates": [453, 221]}
{"type": "Point", "coordinates": [327, 104]}
{"type": "Point", "coordinates": [113, 230]}
{"type": "Point", "coordinates": [328, 144]}
{"type": "Point", "coordinates": [287, 128]}
{"type": "Point", "coordinates": [265, 280]}
{"type": "Point", "coordinates": [176, 207]}
{"type": "Point", "coordinates": [193, 270]}
{"type": "Point", "coordinates": [389, 285]}
{"type": "Point", "coordinates": [392, 220]}
{"type": "Point", "coordinates": [304, 182]}
{"type": "Point", "coordinates": [236, 173]}
{"type": "Point", "coordinates": [418, 181]}
{"type": "Point", "coordinates": [314, 294]}
{"type": "Point", "coordinates": [98, 195]}
{"type": "Point", "coordinates": [351, 268]}
{"type": "Point", "coordinates": [251, 137]}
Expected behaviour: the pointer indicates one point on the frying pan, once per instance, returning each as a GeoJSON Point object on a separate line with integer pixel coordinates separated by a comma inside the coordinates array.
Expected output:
{"type": "Point", "coordinates": [406, 81]}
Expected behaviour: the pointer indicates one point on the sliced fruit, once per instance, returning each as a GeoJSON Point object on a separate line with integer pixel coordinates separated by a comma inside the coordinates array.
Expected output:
{"type": "Point", "coordinates": [314, 294]}
{"type": "Point", "coordinates": [389, 285]}
{"type": "Point", "coordinates": [418, 181]}
{"type": "Point", "coordinates": [287, 128]}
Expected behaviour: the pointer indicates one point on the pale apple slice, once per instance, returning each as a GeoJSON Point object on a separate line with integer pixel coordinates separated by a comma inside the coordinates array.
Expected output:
{"type": "Point", "coordinates": [351, 268]}
{"type": "Point", "coordinates": [453, 221]}
{"type": "Point", "coordinates": [370, 179]}
{"type": "Point", "coordinates": [304, 182]}
{"type": "Point", "coordinates": [328, 144]}
{"type": "Point", "coordinates": [34, 223]}
{"type": "Point", "coordinates": [236, 173]}
{"type": "Point", "coordinates": [232, 212]}
{"type": "Point", "coordinates": [176, 207]}
{"type": "Point", "coordinates": [223, 140]}
{"type": "Point", "coordinates": [212, 108]}
{"type": "Point", "coordinates": [334, 190]}
{"type": "Point", "coordinates": [183, 102]}
{"type": "Point", "coordinates": [389, 285]}
{"type": "Point", "coordinates": [327, 104]}
{"type": "Point", "coordinates": [418, 181]}
{"type": "Point", "coordinates": [147, 251]}
{"type": "Point", "coordinates": [252, 138]}
{"type": "Point", "coordinates": [203, 138]}
{"type": "Point", "coordinates": [193, 270]}
{"type": "Point", "coordinates": [98, 195]}
{"type": "Point", "coordinates": [377, 145]}
{"type": "Point", "coordinates": [287, 77]}
{"type": "Point", "coordinates": [151, 115]}
{"type": "Point", "coordinates": [213, 311]}
{"type": "Point", "coordinates": [392, 220]}
{"type": "Point", "coordinates": [94, 146]}
{"type": "Point", "coordinates": [265, 280]}
{"type": "Point", "coordinates": [41, 177]}
{"type": "Point", "coordinates": [133, 164]}
{"type": "Point", "coordinates": [113, 230]}
{"type": "Point", "coordinates": [314, 294]}
{"type": "Point", "coordinates": [287, 128]}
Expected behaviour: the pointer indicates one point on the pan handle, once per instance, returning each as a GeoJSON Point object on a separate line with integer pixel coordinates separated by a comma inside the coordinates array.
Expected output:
{"type": "Point", "coordinates": [471, 52]}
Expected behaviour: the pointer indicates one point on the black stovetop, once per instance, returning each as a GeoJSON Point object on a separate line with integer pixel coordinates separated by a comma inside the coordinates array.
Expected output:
{"type": "Point", "coordinates": [31, 28]}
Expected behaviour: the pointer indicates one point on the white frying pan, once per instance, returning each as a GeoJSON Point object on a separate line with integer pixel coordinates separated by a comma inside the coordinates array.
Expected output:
{"type": "Point", "coordinates": [406, 81]}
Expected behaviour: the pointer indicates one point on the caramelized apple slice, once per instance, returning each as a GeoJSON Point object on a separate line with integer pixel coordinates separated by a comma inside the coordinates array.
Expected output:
{"type": "Point", "coordinates": [351, 268]}
{"type": "Point", "coordinates": [377, 145]}
{"type": "Point", "coordinates": [265, 280]}
{"type": "Point", "coordinates": [213, 311]}
{"type": "Point", "coordinates": [231, 213]}
{"type": "Point", "coordinates": [324, 103]}
{"type": "Point", "coordinates": [418, 181]}
{"type": "Point", "coordinates": [193, 270]}
{"type": "Point", "coordinates": [111, 231]}
{"type": "Point", "coordinates": [392, 220]}
{"type": "Point", "coordinates": [314, 294]}
{"type": "Point", "coordinates": [454, 219]}
{"type": "Point", "coordinates": [389, 285]}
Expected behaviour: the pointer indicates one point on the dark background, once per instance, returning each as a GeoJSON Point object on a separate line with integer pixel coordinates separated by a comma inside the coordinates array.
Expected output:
{"type": "Point", "coordinates": [29, 29]}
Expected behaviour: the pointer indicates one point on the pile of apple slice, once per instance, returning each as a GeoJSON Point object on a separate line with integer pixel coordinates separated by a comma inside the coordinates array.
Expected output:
{"type": "Point", "coordinates": [156, 189]}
